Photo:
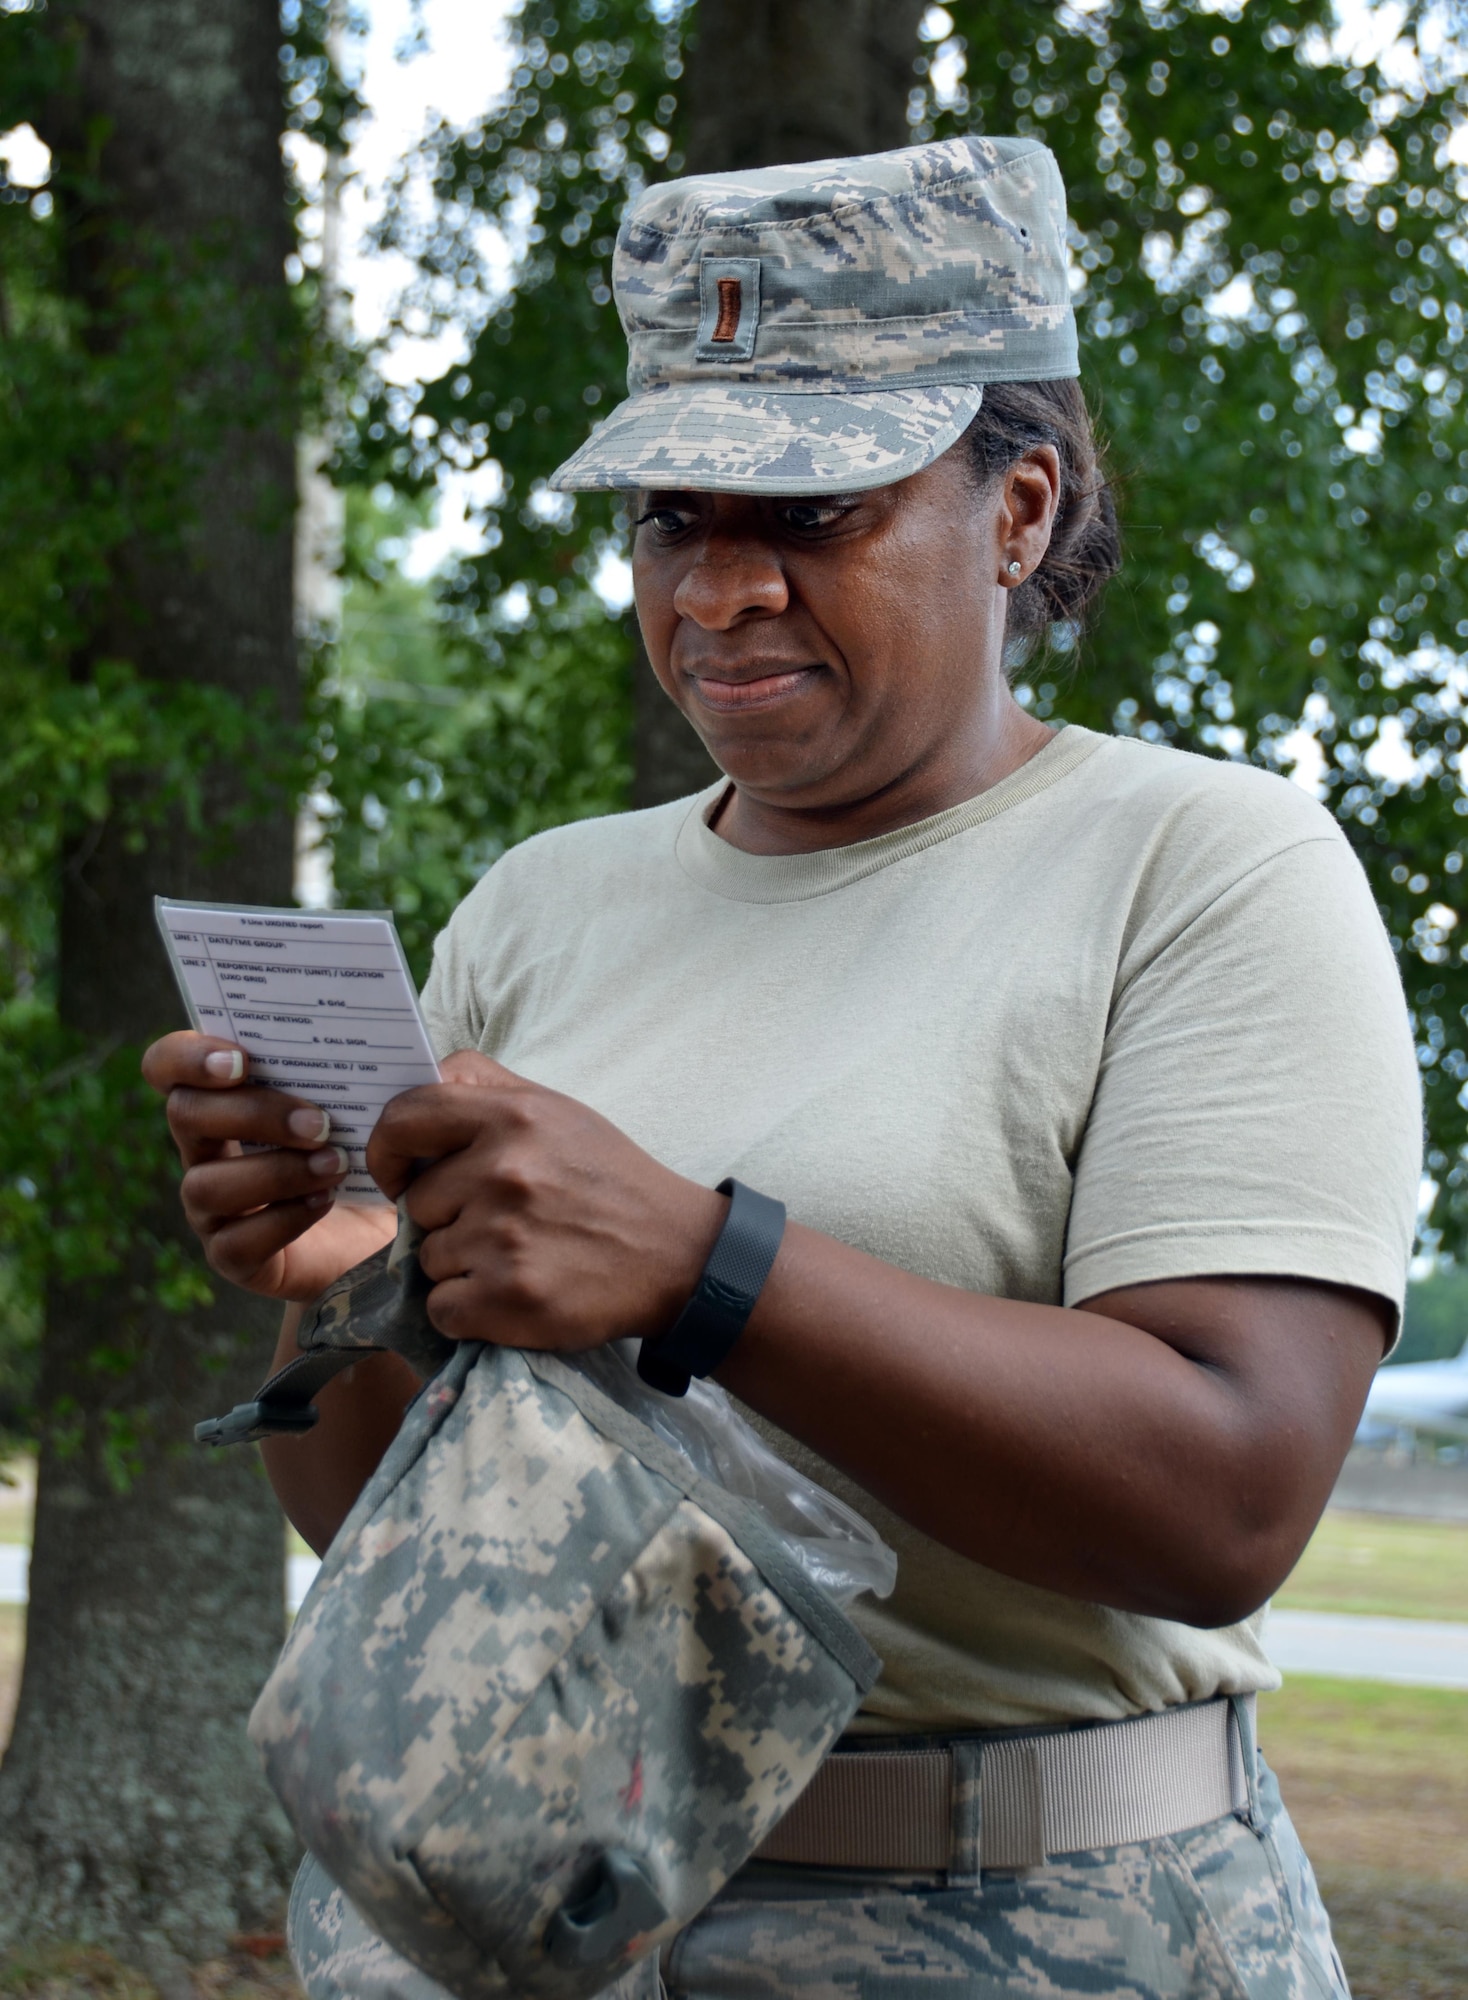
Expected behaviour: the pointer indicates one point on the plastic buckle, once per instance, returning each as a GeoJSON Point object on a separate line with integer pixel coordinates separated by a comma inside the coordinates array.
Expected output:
{"type": "Point", "coordinates": [248, 1421]}
{"type": "Point", "coordinates": [664, 1376]}
{"type": "Point", "coordinates": [604, 1914]}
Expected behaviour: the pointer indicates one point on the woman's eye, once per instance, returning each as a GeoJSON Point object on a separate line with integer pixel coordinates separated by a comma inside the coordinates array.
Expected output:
{"type": "Point", "coordinates": [806, 518]}
{"type": "Point", "coordinates": [662, 520]}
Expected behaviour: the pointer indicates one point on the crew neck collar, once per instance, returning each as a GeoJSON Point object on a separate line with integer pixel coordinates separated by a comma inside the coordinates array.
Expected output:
{"type": "Point", "coordinates": [792, 878]}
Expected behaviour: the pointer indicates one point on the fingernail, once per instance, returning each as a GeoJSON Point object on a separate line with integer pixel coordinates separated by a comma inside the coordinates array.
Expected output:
{"type": "Point", "coordinates": [309, 1123]}
{"type": "Point", "coordinates": [330, 1161]}
{"type": "Point", "coordinates": [323, 1200]}
{"type": "Point", "coordinates": [227, 1064]}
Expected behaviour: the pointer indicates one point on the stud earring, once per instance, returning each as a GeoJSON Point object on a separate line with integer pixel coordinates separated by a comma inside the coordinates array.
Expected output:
{"type": "Point", "coordinates": [1015, 566]}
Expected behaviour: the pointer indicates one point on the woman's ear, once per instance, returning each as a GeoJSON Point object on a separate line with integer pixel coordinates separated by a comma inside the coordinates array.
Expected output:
{"type": "Point", "coordinates": [1028, 504]}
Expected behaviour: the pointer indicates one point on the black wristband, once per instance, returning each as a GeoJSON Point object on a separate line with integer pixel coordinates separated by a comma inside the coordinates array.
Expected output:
{"type": "Point", "coordinates": [713, 1319]}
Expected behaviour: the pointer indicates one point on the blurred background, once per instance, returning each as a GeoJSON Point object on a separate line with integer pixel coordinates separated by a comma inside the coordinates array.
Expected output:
{"type": "Point", "coordinates": [297, 312]}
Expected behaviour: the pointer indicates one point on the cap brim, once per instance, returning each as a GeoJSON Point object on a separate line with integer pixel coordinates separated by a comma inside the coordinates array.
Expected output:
{"type": "Point", "coordinates": [709, 437]}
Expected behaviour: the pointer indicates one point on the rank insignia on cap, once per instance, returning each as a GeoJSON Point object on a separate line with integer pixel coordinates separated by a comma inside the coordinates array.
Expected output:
{"type": "Point", "coordinates": [729, 301]}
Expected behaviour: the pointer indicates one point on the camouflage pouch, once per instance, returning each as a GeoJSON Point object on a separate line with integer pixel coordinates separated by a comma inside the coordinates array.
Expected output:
{"type": "Point", "coordinates": [551, 1688]}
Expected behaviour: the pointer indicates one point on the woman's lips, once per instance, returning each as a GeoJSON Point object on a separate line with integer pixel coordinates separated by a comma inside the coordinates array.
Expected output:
{"type": "Point", "coordinates": [762, 691]}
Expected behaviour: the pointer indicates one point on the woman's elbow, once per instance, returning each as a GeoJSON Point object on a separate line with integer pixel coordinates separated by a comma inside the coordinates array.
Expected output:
{"type": "Point", "coordinates": [1242, 1567]}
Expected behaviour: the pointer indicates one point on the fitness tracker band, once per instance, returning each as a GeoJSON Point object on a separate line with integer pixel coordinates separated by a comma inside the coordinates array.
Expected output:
{"type": "Point", "coordinates": [724, 1297]}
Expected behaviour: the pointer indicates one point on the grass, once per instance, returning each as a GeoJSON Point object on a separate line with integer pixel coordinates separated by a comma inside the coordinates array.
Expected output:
{"type": "Point", "coordinates": [12, 1646]}
{"type": "Point", "coordinates": [254, 1969]}
{"type": "Point", "coordinates": [1398, 1939]}
{"type": "Point", "coordinates": [1383, 1564]}
{"type": "Point", "coordinates": [1376, 1780]}
{"type": "Point", "coordinates": [17, 1494]}
{"type": "Point", "coordinates": [71, 1972]}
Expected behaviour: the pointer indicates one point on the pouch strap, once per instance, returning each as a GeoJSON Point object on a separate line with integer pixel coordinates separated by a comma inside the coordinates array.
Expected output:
{"type": "Point", "coordinates": [286, 1404]}
{"type": "Point", "coordinates": [378, 1307]}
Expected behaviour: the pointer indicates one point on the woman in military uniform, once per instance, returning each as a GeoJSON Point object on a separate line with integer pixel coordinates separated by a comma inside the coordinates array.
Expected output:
{"type": "Point", "coordinates": [1080, 1065]}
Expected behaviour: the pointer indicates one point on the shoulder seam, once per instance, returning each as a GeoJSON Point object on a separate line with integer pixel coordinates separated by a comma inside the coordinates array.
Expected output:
{"type": "Point", "coordinates": [1336, 839]}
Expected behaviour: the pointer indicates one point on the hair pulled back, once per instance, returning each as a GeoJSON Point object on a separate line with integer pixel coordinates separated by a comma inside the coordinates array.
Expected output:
{"type": "Point", "coordinates": [1085, 541]}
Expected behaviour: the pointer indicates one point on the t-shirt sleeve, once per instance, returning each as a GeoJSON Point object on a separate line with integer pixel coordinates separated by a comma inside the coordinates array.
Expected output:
{"type": "Point", "coordinates": [451, 1005]}
{"type": "Point", "coordinates": [1258, 1107]}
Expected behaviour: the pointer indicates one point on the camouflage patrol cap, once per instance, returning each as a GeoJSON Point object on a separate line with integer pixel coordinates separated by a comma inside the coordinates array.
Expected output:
{"type": "Point", "coordinates": [830, 326]}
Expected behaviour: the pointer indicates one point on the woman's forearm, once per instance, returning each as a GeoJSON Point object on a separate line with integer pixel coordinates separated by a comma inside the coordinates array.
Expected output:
{"type": "Point", "coordinates": [318, 1475]}
{"type": "Point", "coordinates": [1166, 1451]}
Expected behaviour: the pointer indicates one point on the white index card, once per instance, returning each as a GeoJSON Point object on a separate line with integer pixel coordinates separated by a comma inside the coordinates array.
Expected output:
{"type": "Point", "coordinates": [322, 1002]}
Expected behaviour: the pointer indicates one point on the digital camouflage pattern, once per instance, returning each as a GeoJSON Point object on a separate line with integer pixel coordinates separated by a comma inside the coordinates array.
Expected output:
{"type": "Point", "coordinates": [540, 1643]}
{"type": "Point", "coordinates": [1222, 1913]}
{"type": "Point", "coordinates": [830, 326]}
{"type": "Point", "coordinates": [338, 1957]}
{"type": "Point", "coordinates": [713, 439]}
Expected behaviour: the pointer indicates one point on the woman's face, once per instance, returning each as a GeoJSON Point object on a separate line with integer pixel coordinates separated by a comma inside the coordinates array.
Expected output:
{"type": "Point", "coordinates": [826, 648]}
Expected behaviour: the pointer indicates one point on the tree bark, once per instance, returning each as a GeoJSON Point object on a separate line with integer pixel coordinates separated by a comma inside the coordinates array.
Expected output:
{"type": "Point", "coordinates": [132, 1811]}
{"type": "Point", "coordinates": [776, 80]}
{"type": "Point", "coordinates": [770, 81]}
{"type": "Point", "coordinates": [668, 760]}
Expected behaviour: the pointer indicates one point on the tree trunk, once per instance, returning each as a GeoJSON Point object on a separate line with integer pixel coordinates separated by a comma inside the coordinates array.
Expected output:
{"type": "Point", "coordinates": [132, 1811]}
{"type": "Point", "coordinates": [770, 81]}
{"type": "Point", "coordinates": [668, 759]}
{"type": "Point", "coordinates": [776, 80]}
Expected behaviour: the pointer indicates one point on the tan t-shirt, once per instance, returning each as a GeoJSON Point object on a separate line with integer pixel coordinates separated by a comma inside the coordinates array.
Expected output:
{"type": "Point", "coordinates": [1130, 1014]}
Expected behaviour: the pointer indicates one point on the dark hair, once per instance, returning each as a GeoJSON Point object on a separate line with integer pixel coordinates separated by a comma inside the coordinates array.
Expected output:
{"type": "Point", "coordinates": [1085, 544]}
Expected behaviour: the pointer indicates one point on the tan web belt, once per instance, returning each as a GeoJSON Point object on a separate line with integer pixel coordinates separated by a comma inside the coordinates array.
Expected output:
{"type": "Point", "coordinates": [1015, 1800]}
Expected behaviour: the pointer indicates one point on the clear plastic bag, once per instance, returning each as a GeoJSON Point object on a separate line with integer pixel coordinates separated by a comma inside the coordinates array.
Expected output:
{"type": "Point", "coordinates": [839, 1551]}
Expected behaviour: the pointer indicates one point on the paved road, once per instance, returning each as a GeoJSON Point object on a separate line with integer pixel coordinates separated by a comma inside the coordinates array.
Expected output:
{"type": "Point", "coordinates": [1418, 1651]}
{"type": "Point", "coordinates": [300, 1572]}
{"type": "Point", "coordinates": [1373, 1481]}
{"type": "Point", "coordinates": [14, 1562]}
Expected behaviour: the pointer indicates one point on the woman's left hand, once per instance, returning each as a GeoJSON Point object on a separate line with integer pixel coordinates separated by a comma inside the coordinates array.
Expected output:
{"type": "Point", "coordinates": [546, 1226]}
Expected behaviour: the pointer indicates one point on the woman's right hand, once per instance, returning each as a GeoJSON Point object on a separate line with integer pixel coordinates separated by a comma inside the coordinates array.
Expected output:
{"type": "Point", "coordinates": [267, 1220]}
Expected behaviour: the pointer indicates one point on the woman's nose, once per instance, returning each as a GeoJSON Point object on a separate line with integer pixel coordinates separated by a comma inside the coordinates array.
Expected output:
{"type": "Point", "coordinates": [727, 582]}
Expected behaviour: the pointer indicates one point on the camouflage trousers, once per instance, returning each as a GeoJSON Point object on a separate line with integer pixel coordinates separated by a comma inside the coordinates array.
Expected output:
{"type": "Point", "coordinates": [1225, 1912]}
{"type": "Point", "coordinates": [1221, 1913]}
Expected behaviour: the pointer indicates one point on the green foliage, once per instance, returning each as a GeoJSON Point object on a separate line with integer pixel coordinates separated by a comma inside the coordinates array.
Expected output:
{"type": "Point", "coordinates": [446, 740]}
{"type": "Point", "coordinates": [1435, 1324]}
{"type": "Point", "coordinates": [20, 1351]}
{"type": "Point", "coordinates": [80, 1127]}
{"type": "Point", "coordinates": [524, 717]}
{"type": "Point", "coordinates": [1295, 465]}
{"type": "Point", "coordinates": [1271, 245]}
{"type": "Point", "coordinates": [108, 410]}
{"type": "Point", "coordinates": [124, 362]}
{"type": "Point", "coordinates": [584, 126]}
{"type": "Point", "coordinates": [95, 448]}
